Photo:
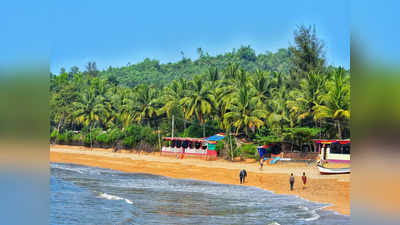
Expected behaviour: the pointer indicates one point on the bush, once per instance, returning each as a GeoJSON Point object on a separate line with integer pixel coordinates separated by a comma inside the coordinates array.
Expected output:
{"type": "Point", "coordinates": [212, 127]}
{"type": "Point", "coordinates": [266, 140]}
{"type": "Point", "coordinates": [135, 133]}
{"type": "Point", "coordinates": [76, 138]}
{"type": "Point", "coordinates": [115, 135]}
{"type": "Point", "coordinates": [248, 151]}
{"type": "Point", "coordinates": [194, 131]}
{"type": "Point", "coordinates": [235, 153]}
{"type": "Point", "coordinates": [61, 138]}
{"type": "Point", "coordinates": [68, 136]}
{"type": "Point", "coordinates": [220, 146]}
{"type": "Point", "coordinates": [53, 135]}
{"type": "Point", "coordinates": [86, 140]}
{"type": "Point", "coordinates": [128, 142]}
{"type": "Point", "coordinates": [103, 139]}
{"type": "Point", "coordinates": [148, 135]}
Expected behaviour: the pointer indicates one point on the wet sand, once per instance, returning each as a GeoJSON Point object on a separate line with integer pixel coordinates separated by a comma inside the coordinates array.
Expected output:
{"type": "Point", "coordinates": [331, 189]}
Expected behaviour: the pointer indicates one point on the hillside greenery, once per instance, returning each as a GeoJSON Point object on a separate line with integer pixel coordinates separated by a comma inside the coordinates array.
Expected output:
{"type": "Point", "coordinates": [289, 95]}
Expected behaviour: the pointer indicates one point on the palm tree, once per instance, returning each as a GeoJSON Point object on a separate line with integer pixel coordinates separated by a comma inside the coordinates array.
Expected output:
{"type": "Point", "coordinates": [231, 71]}
{"type": "Point", "coordinates": [262, 88]}
{"type": "Point", "coordinates": [243, 114]}
{"type": "Point", "coordinates": [278, 110]}
{"type": "Point", "coordinates": [301, 101]}
{"type": "Point", "coordinates": [89, 110]}
{"type": "Point", "coordinates": [146, 104]}
{"type": "Point", "coordinates": [122, 106]}
{"type": "Point", "coordinates": [199, 100]}
{"type": "Point", "coordinates": [171, 96]}
{"type": "Point", "coordinates": [335, 104]}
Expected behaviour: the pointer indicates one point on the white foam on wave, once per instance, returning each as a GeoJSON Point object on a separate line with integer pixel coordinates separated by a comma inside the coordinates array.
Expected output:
{"type": "Point", "coordinates": [313, 212]}
{"type": "Point", "coordinates": [273, 223]}
{"type": "Point", "coordinates": [114, 197]}
{"type": "Point", "coordinates": [315, 216]}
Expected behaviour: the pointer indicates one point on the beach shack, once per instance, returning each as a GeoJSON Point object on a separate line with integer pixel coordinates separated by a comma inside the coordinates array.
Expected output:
{"type": "Point", "coordinates": [333, 151]}
{"type": "Point", "coordinates": [196, 147]}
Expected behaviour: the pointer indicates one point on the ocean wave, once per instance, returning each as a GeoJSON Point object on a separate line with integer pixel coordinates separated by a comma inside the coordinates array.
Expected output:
{"type": "Point", "coordinates": [114, 197]}
{"type": "Point", "coordinates": [78, 169]}
{"type": "Point", "coordinates": [313, 212]}
{"type": "Point", "coordinates": [314, 216]}
{"type": "Point", "coordinates": [73, 169]}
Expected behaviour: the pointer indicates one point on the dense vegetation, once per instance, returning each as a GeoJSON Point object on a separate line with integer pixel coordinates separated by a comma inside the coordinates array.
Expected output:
{"type": "Point", "coordinates": [290, 96]}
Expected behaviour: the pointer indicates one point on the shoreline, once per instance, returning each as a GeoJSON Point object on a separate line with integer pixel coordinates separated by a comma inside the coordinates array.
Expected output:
{"type": "Point", "coordinates": [332, 189]}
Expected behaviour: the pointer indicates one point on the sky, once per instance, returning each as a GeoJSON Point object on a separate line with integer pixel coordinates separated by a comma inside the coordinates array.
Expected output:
{"type": "Point", "coordinates": [120, 32]}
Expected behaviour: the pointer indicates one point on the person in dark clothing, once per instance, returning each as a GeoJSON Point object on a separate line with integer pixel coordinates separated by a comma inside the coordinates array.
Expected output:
{"type": "Point", "coordinates": [242, 175]}
{"type": "Point", "coordinates": [291, 180]}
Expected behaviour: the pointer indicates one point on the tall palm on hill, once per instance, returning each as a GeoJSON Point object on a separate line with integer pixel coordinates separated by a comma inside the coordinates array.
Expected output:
{"type": "Point", "coordinates": [244, 115]}
{"type": "Point", "coordinates": [335, 104]}
{"type": "Point", "coordinates": [199, 100]}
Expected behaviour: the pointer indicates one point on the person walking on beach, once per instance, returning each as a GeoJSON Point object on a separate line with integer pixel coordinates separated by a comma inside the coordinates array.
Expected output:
{"type": "Point", "coordinates": [242, 175]}
{"type": "Point", "coordinates": [291, 180]}
{"type": "Point", "coordinates": [304, 178]}
{"type": "Point", "coordinates": [261, 163]}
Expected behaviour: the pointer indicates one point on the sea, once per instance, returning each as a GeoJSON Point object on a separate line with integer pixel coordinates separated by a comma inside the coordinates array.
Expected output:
{"type": "Point", "coordinates": [90, 195]}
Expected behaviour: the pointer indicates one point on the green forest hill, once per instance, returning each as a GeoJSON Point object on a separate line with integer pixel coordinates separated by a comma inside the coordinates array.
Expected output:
{"type": "Point", "coordinates": [288, 96]}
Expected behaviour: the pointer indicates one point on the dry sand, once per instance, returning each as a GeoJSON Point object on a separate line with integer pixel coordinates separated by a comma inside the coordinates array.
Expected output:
{"type": "Point", "coordinates": [332, 189]}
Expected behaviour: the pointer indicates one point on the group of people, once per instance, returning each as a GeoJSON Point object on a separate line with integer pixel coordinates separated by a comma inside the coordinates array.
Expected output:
{"type": "Point", "coordinates": [243, 175]}
{"type": "Point", "coordinates": [303, 178]}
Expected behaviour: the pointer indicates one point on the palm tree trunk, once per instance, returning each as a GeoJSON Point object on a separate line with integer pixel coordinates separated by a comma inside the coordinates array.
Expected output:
{"type": "Point", "coordinates": [230, 141]}
{"type": "Point", "coordinates": [339, 129]}
{"type": "Point", "coordinates": [58, 127]}
{"type": "Point", "coordinates": [59, 123]}
{"type": "Point", "coordinates": [90, 136]}
{"type": "Point", "coordinates": [225, 150]}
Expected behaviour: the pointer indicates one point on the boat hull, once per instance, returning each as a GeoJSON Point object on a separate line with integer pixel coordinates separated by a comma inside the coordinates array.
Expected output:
{"type": "Point", "coordinates": [324, 170]}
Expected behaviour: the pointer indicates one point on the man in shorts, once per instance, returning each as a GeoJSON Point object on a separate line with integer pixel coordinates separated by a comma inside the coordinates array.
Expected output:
{"type": "Point", "coordinates": [291, 181]}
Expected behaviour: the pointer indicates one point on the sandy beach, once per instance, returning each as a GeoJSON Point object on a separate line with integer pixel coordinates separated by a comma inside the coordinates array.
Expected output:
{"type": "Point", "coordinates": [331, 189]}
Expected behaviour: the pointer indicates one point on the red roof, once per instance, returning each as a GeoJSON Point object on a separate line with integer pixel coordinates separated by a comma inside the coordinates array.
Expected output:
{"type": "Point", "coordinates": [184, 138]}
{"type": "Point", "coordinates": [325, 141]}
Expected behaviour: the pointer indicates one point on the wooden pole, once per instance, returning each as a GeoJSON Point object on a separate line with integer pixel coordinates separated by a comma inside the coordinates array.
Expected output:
{"type": "Point", "coordinates": [173, 126]}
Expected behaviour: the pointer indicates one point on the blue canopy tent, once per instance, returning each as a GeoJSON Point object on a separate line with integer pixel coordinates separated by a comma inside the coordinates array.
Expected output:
{"type": "Point", "coordinates": [216, 137]}
{"type": "Point", "coordinates": [212, 141]}
{"type": "Point", "coordinates": [262, 150]}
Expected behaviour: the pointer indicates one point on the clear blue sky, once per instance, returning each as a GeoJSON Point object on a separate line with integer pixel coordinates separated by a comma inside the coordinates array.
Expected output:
{"type": "Point", "coordinates": [117, 32]}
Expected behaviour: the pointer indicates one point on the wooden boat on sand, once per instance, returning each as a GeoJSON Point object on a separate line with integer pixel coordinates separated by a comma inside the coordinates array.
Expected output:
{"type": "Point", "coordinates": [324, 170]}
